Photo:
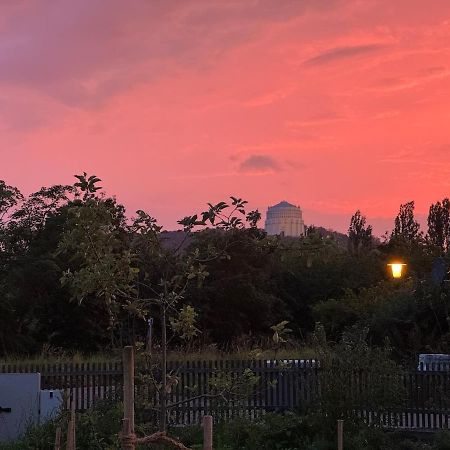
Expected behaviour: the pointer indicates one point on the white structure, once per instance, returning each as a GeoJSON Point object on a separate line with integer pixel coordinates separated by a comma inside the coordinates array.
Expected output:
{"type": "Point", "coordinates": [23, 403]}
{"type": "Point", "coordinates": [284, 219]}
{"type": "Point", "coordinates": [438, 361]}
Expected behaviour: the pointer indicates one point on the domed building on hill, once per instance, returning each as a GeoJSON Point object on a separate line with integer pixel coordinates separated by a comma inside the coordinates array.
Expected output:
{"type": "Point", "coordinates": [284, 219]}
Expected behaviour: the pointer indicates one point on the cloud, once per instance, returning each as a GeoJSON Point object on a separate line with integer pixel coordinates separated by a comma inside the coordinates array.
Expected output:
{"type": "Point", "coordinates": [259, 163]}
{"type": "Point", "coordinates": [269, 98]}
{"type": "Point", "coordinates": [429, 74]}
{"type": "Point", "coordinates": [427, 154]}
{"type": "Point", "coordinates": [82, 54]}
{"type": "Point", "coordinates": [342, 53]}
{"type": "Point", "coordinates": [325, 118]}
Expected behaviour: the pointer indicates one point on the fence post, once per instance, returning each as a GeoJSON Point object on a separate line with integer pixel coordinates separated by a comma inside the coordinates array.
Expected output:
{"type": "Point", "coordinates": [128, 399]}
{"type": "Point", "coordinates": [71, 441]}
{"type": "Point", "coordinates": [128, 385]}
{"type": "Point", "coordinates": [127, 436]}
{"type": "Point", "coordinates": [340, 431]}
{"type": "Point", "coordinates": [69, 444]}
{"type": "Point", "coordinates": [58, 439]}
{"type": "Point", "coordinates": [207, 433]}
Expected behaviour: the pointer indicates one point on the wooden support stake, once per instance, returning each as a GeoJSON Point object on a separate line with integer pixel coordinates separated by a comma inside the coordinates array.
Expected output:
{"type": "Point", "coordinates": [69, 445]}
{"type": "Point", "coordinates": [127, 441]}
{"type": "Point", "coordinates": [73, 420]}
{"type": "Point", "coordinates": [128, 385]}
{"type": "Point", "coordinates": [58, 439]}
{"type": "Point", "coordinates": [71, 440]}
{"type": "Point", "coordinates": [207, 433]}
{"type": "Point", "coordinates": [128, 398]}
{"type": "Point", "coordinates": [340, 431]}
{"type": "Point", "coordinates": [71, 435]}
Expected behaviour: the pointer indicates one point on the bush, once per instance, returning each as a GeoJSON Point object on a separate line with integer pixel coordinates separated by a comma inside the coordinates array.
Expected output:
{"type": "Point", "coordinates": [98, 429]}
{"type": "Point", "coordinates": [442, 441]}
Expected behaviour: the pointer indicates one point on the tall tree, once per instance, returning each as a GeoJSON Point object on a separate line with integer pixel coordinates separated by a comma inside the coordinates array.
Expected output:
{"type": "Point", "coordinates": [439, 224]}
{"type": "Point", "coordinates": [360, 235]}
{"type": "Point", "coordinates": [406, 226]}
{"type": "Point", "coordinates": [10, 198]}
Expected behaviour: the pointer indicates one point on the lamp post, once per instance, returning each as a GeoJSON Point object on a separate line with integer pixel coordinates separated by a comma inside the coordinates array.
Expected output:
{"type": "Point", "coordinates": [397, 269]}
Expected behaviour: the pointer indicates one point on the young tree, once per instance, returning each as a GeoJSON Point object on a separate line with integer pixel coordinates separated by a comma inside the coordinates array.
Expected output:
{"type": "Point", "coordinates": [406, 227]}
{"type": "Point", "coordinates": [360, 235]}
{"type": "Point", "coordinates": [439, 225]}
{"type": "Point", "coordinates": [150, 277]}
{"type": "Point", "coordinates": [95, 241]}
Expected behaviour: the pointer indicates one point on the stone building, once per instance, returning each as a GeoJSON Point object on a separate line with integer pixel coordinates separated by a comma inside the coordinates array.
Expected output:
{"type": "Point", "coordinates": [284, 219]}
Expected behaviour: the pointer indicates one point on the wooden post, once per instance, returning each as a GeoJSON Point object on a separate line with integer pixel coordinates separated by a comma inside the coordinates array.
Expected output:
{"type": "Point", "coordinates": [69, 445]}
{"type": "Point", "coordinates": [128, 385]}
{"type": "Point", "coordinates": [71, 441]}
{"type": "Point", "coordinates": [127, 444]}
{"type": "Point", "coordinates": [207, 433]}
{"type": "Point", "coordinates": [340, 431]}
{"type": "Point", "coordinates": [73, 420]}
{"type": "Point", "coordinates": [58, 439]}
{"type": "Point", "coordinates": [128, 398]}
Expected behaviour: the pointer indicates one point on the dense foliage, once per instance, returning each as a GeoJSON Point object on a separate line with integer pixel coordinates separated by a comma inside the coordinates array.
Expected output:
{"type": "Point", "coordinates": [99, 428]}
{"type": "Point", "coordinates": [76, 271]}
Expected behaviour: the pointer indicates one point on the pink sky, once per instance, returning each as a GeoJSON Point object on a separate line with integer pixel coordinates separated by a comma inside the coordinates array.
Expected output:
{"type": "Point", "coordinates": [334, 105]}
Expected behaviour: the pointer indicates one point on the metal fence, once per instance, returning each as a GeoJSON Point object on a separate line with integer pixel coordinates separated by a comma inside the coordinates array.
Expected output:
{"type": "Point", "coordinates": [277, 386]}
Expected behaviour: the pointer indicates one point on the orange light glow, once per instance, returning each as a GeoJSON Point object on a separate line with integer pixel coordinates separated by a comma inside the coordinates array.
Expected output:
{"type": "Point", "coordinates": [397, 269]}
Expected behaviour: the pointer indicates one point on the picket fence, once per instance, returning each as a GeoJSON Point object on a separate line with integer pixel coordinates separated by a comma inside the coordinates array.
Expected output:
{"type": "Point", "coordinates": [280, 387]}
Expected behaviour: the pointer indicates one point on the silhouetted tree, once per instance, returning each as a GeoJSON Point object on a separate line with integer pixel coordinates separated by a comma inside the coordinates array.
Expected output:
{"type": "Point", "coordinates": [439, 224]}
{"type": "Point", "coordinates": [360, 235]}
{"type": "Point", "coordinates": [406, 227]}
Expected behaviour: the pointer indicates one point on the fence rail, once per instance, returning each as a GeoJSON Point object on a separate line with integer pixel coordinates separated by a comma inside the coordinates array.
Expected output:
{"type": "Point", "coordinates": [289, 385]}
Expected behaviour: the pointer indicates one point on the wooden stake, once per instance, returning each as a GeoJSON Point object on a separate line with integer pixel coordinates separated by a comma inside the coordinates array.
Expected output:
{"type": "Point", "coordinates": [128, 398]}
{"type": "Point", "coordinates": [340, 431]}
{"type": "Point", "coordinates": [207, 433]}
{"type": "Point", "coordinates": [128, 385]}
{"type": "Point", "coordinates": [73, 420]}
{"type": "Point", "coordinates": [71, 440]}
{"type": "Point", "coordinates": [127, 444]}
{"type": "Point", "coordinates": [69, 445]}
{"type": "Point", "coordinates": [58, 439]}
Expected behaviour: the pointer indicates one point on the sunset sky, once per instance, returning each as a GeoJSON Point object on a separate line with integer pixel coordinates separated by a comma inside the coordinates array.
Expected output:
{"type": "Point", "coordinates": [332, 105]}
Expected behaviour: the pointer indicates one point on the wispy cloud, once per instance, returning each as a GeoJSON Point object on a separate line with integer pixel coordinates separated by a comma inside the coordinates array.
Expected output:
{"type": "Point", "coordinates": [318, 120]}
{"type": "Point", "coordinates": [83, 54]}
{"type": "Point", "coordinates": [392, 84]}
{"type": "Point", "coordinates": [270, 97]}
{"type": "Point", "coordinates": [428, 154]}
{"type": "Point", "coordinates": [337, 54]}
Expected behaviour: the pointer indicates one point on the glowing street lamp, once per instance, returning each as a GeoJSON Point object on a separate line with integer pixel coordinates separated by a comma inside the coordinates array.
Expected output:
{"type": "Point", "coordinates": [397, 269]}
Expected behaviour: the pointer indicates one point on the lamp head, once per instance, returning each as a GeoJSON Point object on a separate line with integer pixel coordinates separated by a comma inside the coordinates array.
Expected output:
{"type": "Point", "coordinates": [397, 269]}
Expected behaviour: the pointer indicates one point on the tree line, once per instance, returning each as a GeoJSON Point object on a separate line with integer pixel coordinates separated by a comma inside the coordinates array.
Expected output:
{"type": "Point", "coordinates": [77, 273]}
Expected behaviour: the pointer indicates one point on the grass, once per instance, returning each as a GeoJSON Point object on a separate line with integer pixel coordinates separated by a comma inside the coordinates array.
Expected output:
{"type": "Point", "coordinates": [54, 356]}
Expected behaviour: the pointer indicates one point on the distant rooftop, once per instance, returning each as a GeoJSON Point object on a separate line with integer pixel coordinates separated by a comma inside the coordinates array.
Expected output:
{"type": "Point", "coordinates": [284, 204]}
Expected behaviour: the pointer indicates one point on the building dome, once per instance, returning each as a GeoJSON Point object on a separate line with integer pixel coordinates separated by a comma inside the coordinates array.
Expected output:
{"type": "Point", "coordinates": [284, 219]}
